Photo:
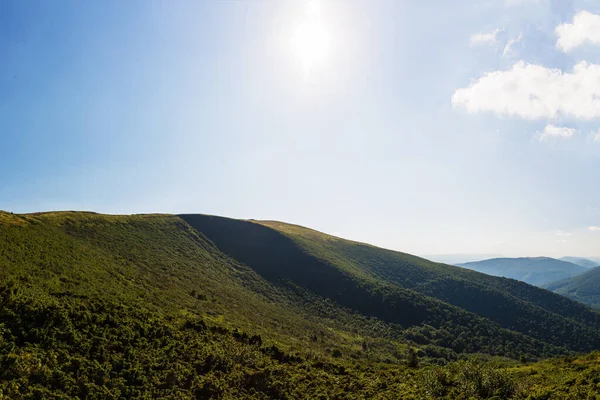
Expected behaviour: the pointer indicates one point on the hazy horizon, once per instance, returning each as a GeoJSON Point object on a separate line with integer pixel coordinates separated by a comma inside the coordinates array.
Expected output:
{"type": "Point", "coordinates": [446, 128]}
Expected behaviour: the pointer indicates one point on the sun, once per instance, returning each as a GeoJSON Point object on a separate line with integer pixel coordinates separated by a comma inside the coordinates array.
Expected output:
{"type": "Point", "coordinates": [311, 41]}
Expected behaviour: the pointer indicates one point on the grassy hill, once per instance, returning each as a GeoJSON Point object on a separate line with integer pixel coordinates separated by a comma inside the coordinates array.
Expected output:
{"type": "Point", "coordinates": [584, 287]}
{"type": "Point", "coordinates": [163, 306]}
{"type": "Point", "coordinates": [155, 263]}
{"type": "Point", "coordinates": [406, 290]}
{"type": "Point", "coordinates": [536, 271]}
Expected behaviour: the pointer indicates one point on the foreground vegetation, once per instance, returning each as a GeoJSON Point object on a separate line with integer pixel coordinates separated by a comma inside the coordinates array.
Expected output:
{"type": "Point", "coordinates": [79, 347]}
{"type": "Point", "coordinates": [150, 306]}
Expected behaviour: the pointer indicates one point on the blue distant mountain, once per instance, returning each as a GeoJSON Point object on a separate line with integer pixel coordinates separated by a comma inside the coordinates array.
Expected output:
{"type": "Point", "coordinates": [536, 271]}
{"type": "Point", "coordinates": [584, 262]}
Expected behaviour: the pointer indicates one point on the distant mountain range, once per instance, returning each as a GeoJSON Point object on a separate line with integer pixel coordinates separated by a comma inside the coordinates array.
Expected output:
{"type": "Point", "coordinates": [537, 271]}
{"type": "Point", "coordinates": [584, 262]}
{"type": "Point", "coordinates": [458, 258]}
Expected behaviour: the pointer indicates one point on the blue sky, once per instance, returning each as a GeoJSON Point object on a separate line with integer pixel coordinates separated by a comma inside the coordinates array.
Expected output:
{"type": "Point", "coordinates": [428, 127]}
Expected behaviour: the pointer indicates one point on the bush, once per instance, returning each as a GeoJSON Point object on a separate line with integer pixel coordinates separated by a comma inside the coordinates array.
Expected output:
{"type": "Point", "coordinates": [470, 379]}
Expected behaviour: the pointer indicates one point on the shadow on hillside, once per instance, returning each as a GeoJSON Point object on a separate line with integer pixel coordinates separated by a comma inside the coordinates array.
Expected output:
{"type": "Point", "coordinates": [279, 260]}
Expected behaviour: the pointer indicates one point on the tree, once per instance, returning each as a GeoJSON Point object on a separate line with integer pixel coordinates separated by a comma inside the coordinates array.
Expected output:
{"type": "Point", "coordinates": [412, 358]}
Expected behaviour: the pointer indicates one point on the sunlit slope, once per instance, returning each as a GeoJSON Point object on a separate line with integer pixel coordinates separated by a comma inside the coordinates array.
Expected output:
{"type": "Point", "coordinates": [404, 289]}
{"type": "Point", "coordinates": [98, 306]}
{"type": "Point", "coordinates": [584, 287]}
{"type": "Point", "coordinates": [510, 303]}
{"type": "Point", "coordinates": [160, 264]}
{"type": "Point", "coordinates": [423, 275]}
{"type": "Point", "coordinates": [156, 263]}
{"type": "Point", "coordinates": [287, 283]}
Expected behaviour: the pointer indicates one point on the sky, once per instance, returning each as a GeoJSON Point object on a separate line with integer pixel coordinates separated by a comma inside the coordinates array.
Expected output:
{"type": "Point", "coordinates": [429, 127]}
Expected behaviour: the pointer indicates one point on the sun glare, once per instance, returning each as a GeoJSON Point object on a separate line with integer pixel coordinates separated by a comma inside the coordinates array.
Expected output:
{"type": "Point", "coordinates": [311, 42]}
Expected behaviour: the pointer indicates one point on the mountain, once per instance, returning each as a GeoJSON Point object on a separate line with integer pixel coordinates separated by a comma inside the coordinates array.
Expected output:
{"type": "Point", "coordinates": [584, 287]}
{"type": "Point", "coordinates": [399, 288]}
{"type": "Point", "coordinates": [584, 262]}
{"type": "Point", "coordinates": [195, 306]}
{"type": "Point", "coordinates": [455, 259]}
{"type": "Point", "coordinates": [533, 270]}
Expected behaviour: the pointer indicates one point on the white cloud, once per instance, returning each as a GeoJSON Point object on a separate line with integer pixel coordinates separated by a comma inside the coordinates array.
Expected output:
{"type": "Point", "coordinates": [480, 39]}
{"type": "Point", "coordinates": [533, 92]}
{"type": "Point", "coordinates": [596, 136]}
{"type": "Point", "coordinates": [584, 29]}
{"type": "Point", "coordinates": [594, 228]}
{"type": "Point", "coordinates": [562, 233]}
{"type": "Point", "coordinates": [508, 50]}
{"type": "Point", "coordinates": [518, 2]}
{"type": "Point", "coordinates": [556, 132]}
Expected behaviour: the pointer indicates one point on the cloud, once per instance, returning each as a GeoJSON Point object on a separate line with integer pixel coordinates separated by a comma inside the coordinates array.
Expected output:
{"type": "Point", "coordinates": [508, 49]}
{"type": "Point", "coordinates": [594, 228]}
{"type": "Point", "coordinates": [519, 2]}
{"type": "Point", "coordinates": [556, 132]}
{"type": "Point", "coordinates": [561, 233]}
{"type": "Point", "coordinates": [480, 39]}
{"type": "Point", "coordinates": [596, 136]}
{"type": "Point", "coordinates": [584, 29]}
{"type": "Point", "coordinates": [533, 92]}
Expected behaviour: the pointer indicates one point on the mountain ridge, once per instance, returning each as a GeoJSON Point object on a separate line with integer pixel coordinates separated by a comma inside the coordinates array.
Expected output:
{"type": "Point", "coordinates": [400, 270]}
{"type": "Point", "coordinates": [196, 306]}
{"type": "Point", "coordinates": [533, 270]}
{"type": "Point", "coordinates": [582, 261]}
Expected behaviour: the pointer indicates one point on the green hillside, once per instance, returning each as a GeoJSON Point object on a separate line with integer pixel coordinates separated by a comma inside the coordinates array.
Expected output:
{"type": "Point", "coordinates": [584, 287]}
{"type": "Point", "coordinates": [406, 290]}
{"type": "Point", "coordinates": [537, 271]}
{"type": "Point", "coordinates": [155, 263]}
{"type": "Point", "coordinates": [162, 306]}
{"type": "Point", "coordinates": [77, 347]}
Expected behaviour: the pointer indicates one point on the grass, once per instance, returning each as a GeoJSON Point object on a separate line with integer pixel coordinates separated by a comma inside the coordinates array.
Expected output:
{"type": "Point", "coordinates": [149, 306]}
{"type": "Point", "coordinates": [434, 304]}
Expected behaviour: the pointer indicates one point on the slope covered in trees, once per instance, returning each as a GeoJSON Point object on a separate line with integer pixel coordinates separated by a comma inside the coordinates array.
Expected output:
{"type": "Point", "coordinates": [406, 290]}
{"type": "Point", "coordinates": [533, 270]}
{"type": "Point", "coordinates": [158, 263]}
{"type": "Point", "coordinates": [80, 347]}
{"type": "Point", "coordinates": [97, 306]}
{"type": "Point", "coordinates": [584, 287]}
